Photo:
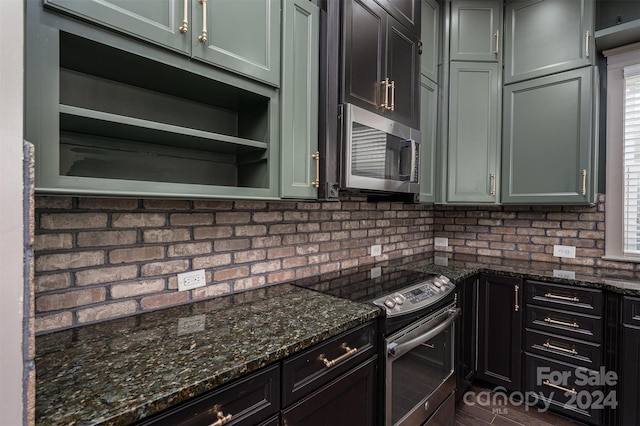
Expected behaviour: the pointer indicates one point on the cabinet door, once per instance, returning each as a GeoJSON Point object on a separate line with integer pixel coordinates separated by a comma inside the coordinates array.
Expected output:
{"type": "Point", "coordinates": [241, 36]}
{"type": "Point", "coordinates": [364, 36]}
{"type": "Point", "coordinates": [548, 140]}
{"type": "Point", "coordinates": [466, 334]}
{"type": "Point", "coordinates": [500, 330]}
{"type": "Point", "coordinates": [543, 37]}
{"type": "Point", "coordinates": [475, 30]}
{"type": "Point", "coordinates": [155, 21]}
{"type": "Point", "coordinates": [350, 400]}
{"type": "Point", "coordinates": [430, 39]}
{"type": "Point", "coordinates": [630, 376]}
{"type": "Point", "coordinates": [428, 124]}
{"type": "Point", "coordinates": [403, 69]}
{"type": "Point", "coordinates": [474, 117]}
{"type": "Point", "coordinates": [407, 12]}
{"type": "Point", "coordinates": [299, 94]}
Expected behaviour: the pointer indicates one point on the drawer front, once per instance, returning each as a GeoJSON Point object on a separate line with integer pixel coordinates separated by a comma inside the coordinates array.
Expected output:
{"type": "Point", "coordinates": [306, 372]}
{"type": "Point", "coordinates": [565, 323]}
{"type": "Point", "coordinates": [579, 352]}
{"type": "Point", "coordinates": [631, 311]}
{"type": "Point", "coordinates": [249, 401]}
{"type": "Point", "coordinates": [572, 396]}
{"type": "Point", "coordinates": [565, 297]}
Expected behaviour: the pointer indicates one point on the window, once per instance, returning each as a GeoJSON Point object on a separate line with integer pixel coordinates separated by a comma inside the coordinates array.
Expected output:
{"type": "Point", "coordinates": [623, 153]}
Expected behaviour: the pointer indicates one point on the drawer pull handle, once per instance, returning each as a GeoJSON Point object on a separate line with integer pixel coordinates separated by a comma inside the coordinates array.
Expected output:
{"type": "Point", "coordinates": [566, 324]}
{"type": "Point", "coordinates": [385, 86]}
{"type": "Point", "coordinates": [331, 363]}
{"type": "Point", "coordinates": [316, 157]}
{"type": "Point", "coordinates": [203, 37]}
{"type": "Point", "coordinates": [392, 107]}
{"type": "Point", "coordinates": [555, 296]}
{"type": "Point", "coordinates": [516, 306]}
{"type": "Point", "coordinates": [222, 419]}
{"type": "Point", "coordinates": [492, 178]}
{"type": "Point", "coordinates": [548, 383]}
{"type": "Point", "coordinates": [558, 348]}
{"type": "Point", "coordinates": [497, 37]}
{"type": "Point", "coordinates": [185, 21]}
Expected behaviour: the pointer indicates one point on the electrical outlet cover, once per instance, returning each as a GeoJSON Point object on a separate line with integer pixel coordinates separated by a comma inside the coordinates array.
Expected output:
{"type": "Point", "coordinates": [376, 250]}
{"type": "Point", "coordinates": [190, 280]}
{"type": "Point", "coordinates": [564, 251]}
{"type": "Point", "coordinates": [441, 242]}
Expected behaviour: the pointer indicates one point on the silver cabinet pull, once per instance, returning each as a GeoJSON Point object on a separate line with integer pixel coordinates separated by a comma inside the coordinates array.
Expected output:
{"type": "Point", "coordinates": [492, 177]}
{"type": "Point", "coordinates": [587, 38]}
{"type": "Point", "coordinates": [203, 37]}
{"type": "Point", "coordinates": [185, 18]}
{"type": "Point", "coordinates": [392, 107]}
{"type": "Point", "coordinates": [571, 351]}
{"type": "Point", "coordinates": [555, 296]}
{"type": "Point", "coordinates": [517, 306]}
{"type": "Point", "coordinates": [548, 383]}
{"type": "Point", "coordinates": [584, 181]}
{"type": "Point", "coordinates": [497, 49]}
{"type": "Point", "coordinates": [316, 157]}
{"type": "Point", "coordinates": [563, 323]}
{"type": "Point", "coordinates": [385, 87]}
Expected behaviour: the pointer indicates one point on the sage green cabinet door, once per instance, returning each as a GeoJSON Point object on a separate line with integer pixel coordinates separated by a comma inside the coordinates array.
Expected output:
{"type": "Point", "coordinates": [548, 140]}
{"type": "Point", "coordinates": [428, 123]}
{"type": "Point", "coordinates": [156, 21]}
{"type": "Point", "coordinates": [474, 117]}
{"type": "Point", "coordinates": [430, 39]}
{"type": "Point", "coordinates": [299, 95]}
{"type": "Point", "coordinates": [242, 36]}
{"type": "Point", "coordinates": [543, 37]}
{"type": "Point", "coordinates": [476, 28]}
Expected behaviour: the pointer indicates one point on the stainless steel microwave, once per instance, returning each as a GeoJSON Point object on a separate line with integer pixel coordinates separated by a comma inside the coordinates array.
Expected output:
{"type": "Point", "coordinates": [379, 154]}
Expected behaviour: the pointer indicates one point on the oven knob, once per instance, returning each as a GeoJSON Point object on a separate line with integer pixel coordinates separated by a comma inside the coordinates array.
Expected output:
{"type": "Point", "coordinates": [437, 282]}
{"type": "Point", "coordinates": [399, 299]}
{"type": "Point", "coordinates": [389, 303]}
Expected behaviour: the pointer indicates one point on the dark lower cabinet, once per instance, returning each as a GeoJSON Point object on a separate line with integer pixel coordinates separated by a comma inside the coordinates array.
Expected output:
{"type": "Point", "coordinates": [500, 331]}
{"type": "Point", "coordinates": [274, 421]}
{"type": "Point", "coordinates": [630, 363]}
{"type": "Point", "coordinates": [466, 334]}
{"type": "Point", "coordinates": [347, 401]}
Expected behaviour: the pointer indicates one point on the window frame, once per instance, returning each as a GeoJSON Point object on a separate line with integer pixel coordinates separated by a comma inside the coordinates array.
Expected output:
{"type": "Point", "coordinates": [617, 60]}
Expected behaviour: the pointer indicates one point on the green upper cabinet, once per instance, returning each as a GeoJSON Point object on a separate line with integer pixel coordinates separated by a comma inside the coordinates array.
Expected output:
{"type": "Point", "coordinates": [474, 117]}
{"type": "Point", "coordinates": [428, 124]}
{"type": "Point", "coordinates": [476, 30]}
{"type": "Point", "coordinates": [240, 36]}
{"type": "Point", "coordinates": [299, 100]}
{"type": "Point", "coordinates": [543, 37]}
{"type": "Point", "coordinates": [430, 39]}
{"type": "Point", "coordinates": [548, 139]}
{"type": "Point", "coordinates": [155, 21]}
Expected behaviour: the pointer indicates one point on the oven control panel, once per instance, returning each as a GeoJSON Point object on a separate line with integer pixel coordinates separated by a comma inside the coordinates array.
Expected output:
{"type": "Point", "coordinates": [416, 297]}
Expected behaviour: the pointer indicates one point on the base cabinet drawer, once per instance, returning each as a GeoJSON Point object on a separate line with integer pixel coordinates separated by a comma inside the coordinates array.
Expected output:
{"type": "Point", "coordinates": [565, 297]}
{"type": "Point", "coordinates": [315, 367]}
{"type": "Point", "coordinates": [579, 352]}
{"type": "Point", "coordinates": [346, 401]}
{"type": "Point", "coordinates": [565, 323]}
{"type": "Point", "coordinates": [566, 388]}
{"type": "Point", "coordinates": [246, 402]}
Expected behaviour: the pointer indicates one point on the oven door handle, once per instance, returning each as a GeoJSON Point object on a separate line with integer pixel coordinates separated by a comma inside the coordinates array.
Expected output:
{"type": "Point", "coordinates": [397, 350]}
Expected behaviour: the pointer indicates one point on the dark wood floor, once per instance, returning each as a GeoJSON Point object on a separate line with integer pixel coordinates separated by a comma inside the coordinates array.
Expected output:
{"type": "Point", "coordinates": [480, 413]}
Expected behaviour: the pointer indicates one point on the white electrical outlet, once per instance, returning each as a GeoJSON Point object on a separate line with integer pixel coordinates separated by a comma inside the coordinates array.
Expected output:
{"type": "Point", "coordinates": [190, 280]}
{"type": "Point", "coordinates": [441, 242]}
{"type": "Point", "coordinates": [561, 273]}
{"type": "Point", "coordinates": [564, 251]}
{"type": "Point", "coordinates": [376, 250]}
{"type": "Point", "coordinates": [189, 325]}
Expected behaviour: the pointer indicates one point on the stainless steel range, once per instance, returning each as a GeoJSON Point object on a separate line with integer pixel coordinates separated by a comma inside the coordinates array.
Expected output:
{"type": "Point", "coordinates": [418, 334]}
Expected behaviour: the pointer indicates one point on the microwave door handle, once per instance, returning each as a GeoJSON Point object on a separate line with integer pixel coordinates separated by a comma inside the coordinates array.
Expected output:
{"type": "Point", "coordinates": [402, 348]}
{"type": "Point", "coordinates": [413, 159]}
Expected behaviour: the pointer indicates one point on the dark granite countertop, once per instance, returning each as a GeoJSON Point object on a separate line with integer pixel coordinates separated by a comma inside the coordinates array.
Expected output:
{"type": "Point", "coordinates": [119, 371]}
{"type": "Point", "coordinates": [623, 281]}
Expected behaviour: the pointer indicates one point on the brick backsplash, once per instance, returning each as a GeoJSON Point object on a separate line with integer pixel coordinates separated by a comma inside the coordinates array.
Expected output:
{"type": "Point", "coordinates": [102, 258]}
{"type": "Point", "coordinates": [98, 259]}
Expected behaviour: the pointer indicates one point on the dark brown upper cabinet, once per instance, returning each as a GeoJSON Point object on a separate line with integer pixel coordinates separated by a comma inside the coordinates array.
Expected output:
{"type": "Point", "coordinates": [380, 63]}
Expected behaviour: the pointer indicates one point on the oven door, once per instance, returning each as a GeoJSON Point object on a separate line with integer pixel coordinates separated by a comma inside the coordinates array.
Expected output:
{"type": "Point", "coordinates": [420, 368]}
